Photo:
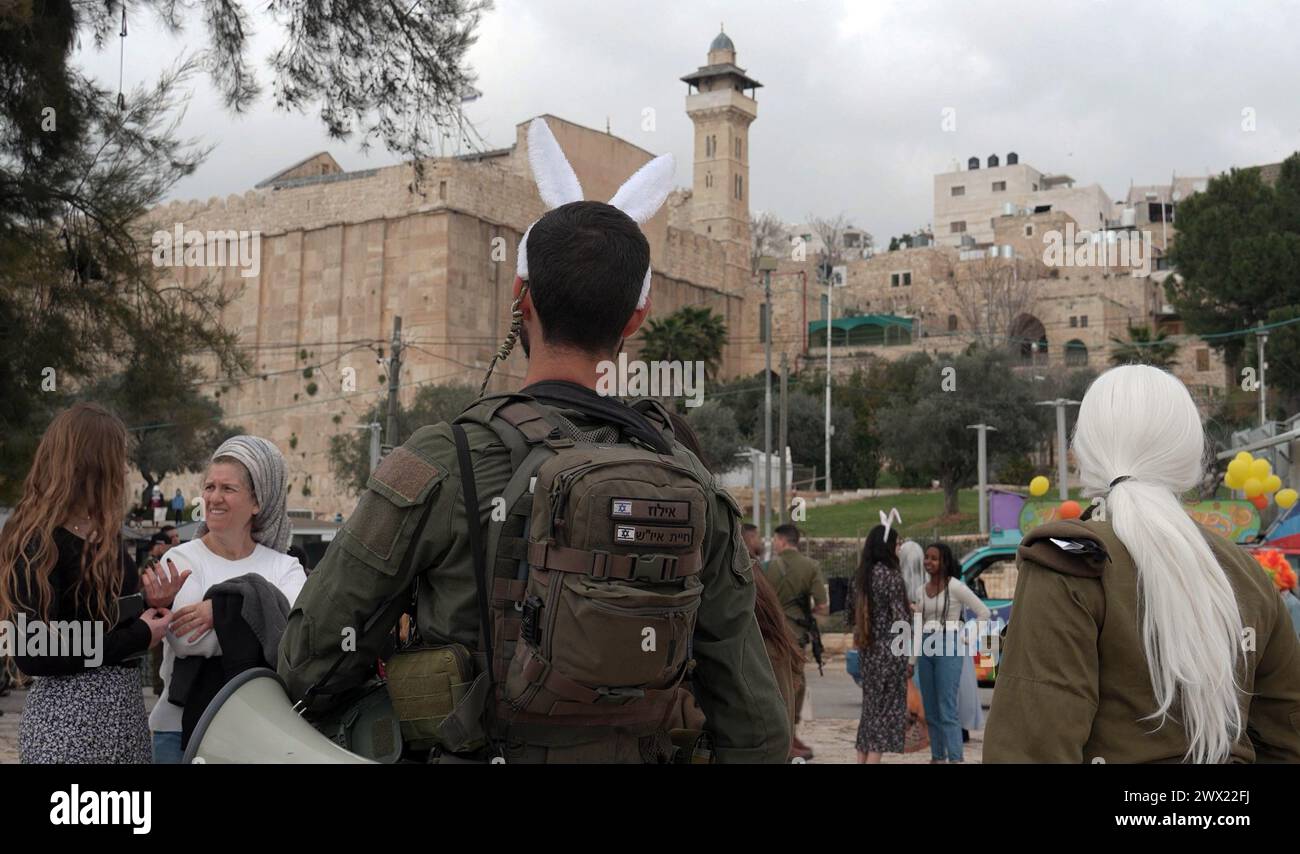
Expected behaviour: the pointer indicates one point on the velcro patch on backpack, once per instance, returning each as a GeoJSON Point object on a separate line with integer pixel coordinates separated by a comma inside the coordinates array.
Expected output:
{"type": "Point", "coordinates": [654, 536]}
{"type": "Point", "coordinates": [654, 510]}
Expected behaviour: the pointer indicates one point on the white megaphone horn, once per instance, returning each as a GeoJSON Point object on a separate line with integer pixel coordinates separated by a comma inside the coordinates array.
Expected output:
{"type": "Point", "coordinates": [252, 720]}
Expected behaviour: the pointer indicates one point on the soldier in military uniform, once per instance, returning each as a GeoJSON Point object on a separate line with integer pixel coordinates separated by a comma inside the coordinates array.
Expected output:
{"type": "Point", "coordinates": [1141, 636]}
{"type": "Point", "coordinates": [588, 277]}
{"type": "Point", "coordinates": [798, 581]}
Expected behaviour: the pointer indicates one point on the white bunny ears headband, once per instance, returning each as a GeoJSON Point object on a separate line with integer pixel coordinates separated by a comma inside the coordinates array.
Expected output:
{"type": "Point", "coordinates": [640, 197]}
{"type": "Point", "coordinates": [889, 520]}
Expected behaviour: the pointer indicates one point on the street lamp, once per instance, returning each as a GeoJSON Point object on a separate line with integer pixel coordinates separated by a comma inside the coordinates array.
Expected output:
{"type": "Point", "coordinates": [1063, 468]}
{"type": "Point", "coordinates": [766, 265]}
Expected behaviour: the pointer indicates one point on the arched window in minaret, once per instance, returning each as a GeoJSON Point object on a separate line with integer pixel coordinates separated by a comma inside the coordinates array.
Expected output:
{"type": "Point", "coordinates": [737, 148]}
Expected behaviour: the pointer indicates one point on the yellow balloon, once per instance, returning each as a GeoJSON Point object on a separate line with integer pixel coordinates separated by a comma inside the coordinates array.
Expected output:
{"type": "Point", "coordinates": [1253, 486]}
{"type": "Point", "coordinates": [1239, 470]}
{"type": "Point", "coordinates": [1039, 486]}
{"type": "Point", "coordinates": [1285, 498]}
{"type": "Point", "coordinates": [1233, 482]}
{"type": "Point", "coordinates": [1272, 483]}
{"type": "Point", "coordinates": [1244, 455]}
{"type": "Point", "coordinates": [1260, 469]}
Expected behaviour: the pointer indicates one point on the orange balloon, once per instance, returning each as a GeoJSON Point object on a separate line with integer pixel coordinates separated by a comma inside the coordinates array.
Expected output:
{"type": "Point", "coordinates": [1260, 501]}
{"type": "Point", "coordinates": [1069, 510]}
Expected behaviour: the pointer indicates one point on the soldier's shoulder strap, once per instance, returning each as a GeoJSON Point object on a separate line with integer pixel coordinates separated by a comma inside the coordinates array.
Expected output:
{"type": "Point", "coordinates": [1069, 546]}
{"type": "Point", "coordinates": [655, 412]}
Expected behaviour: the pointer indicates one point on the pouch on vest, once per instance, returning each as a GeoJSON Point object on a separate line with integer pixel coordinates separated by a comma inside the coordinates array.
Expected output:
{"type": "Point", "coordinates": [426, 686]}
{"type": "Point", "coordinates": [367, 726]}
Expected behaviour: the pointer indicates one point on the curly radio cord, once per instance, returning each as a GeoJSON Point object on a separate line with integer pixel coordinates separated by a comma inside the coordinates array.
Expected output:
{"type": "Point", "coordinates": [516, 325]}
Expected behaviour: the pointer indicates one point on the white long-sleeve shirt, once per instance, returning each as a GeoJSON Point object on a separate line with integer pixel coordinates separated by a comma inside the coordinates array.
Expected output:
{"type": "Point", "coordinates": [959, 597]}
{"type": "Point", "coordinates": [207, 570]}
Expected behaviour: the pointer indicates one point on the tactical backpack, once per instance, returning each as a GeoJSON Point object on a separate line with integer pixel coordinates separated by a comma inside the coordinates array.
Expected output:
{"type": "Point", "coordinates": [591, 573]}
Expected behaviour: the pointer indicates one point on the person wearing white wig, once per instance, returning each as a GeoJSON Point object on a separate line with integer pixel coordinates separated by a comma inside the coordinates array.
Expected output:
{"type": "Point", "coordinates": [246, 529]}
{"type": "Point", "coordinates": [1141, 636]}
{"type": "Point", "coordinates": [911, 562]}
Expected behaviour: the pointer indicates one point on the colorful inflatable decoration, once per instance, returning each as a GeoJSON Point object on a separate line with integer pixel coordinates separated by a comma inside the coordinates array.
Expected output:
{"type": "Point", "coordinates": [1234, 519]}
{"type": "Point", "coordinates": [1038, 486]}
{"type": "Point", "coordinates": [1070, 510]}
{"type": "Point", "coordinates": [1279, 570]}
{"type": "Point", "coordinates": [1285, 498]}
{"type": "Point", "coordinates": [1253, 476]}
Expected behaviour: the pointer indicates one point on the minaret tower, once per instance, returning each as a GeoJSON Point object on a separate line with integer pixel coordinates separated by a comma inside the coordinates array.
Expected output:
{"type": "Point", "coordinates": [717, 103]}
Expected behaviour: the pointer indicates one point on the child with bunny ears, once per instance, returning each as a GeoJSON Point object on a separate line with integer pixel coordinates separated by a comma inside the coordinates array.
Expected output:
{"type": "Point", "coordinates": [582, 288]}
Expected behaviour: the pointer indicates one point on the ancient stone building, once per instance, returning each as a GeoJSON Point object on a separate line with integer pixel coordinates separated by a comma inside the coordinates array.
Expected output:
{"type": "Point", "coordinates": [341, 254]}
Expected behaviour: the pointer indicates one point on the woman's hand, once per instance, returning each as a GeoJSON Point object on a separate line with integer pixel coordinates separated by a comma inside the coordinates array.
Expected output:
{"type": "Point", "coordinates": [161, 585]}
{"type": "Point", "coordinates": [194, 620]}
{"type": "Point", "coordinates": [157, 619]}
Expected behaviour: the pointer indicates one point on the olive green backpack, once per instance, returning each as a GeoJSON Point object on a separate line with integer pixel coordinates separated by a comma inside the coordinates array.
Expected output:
{"type": "Point", "coordinates": [591, 575]}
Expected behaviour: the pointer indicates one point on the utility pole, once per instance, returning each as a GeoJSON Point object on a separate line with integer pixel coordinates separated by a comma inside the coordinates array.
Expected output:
{"type": "Point", "coordinates": [753, 478]}
{"type": "Point", "coordinates": [1261, 338]}
{"type": "Point", "coordinates": [830, 317]}
{"type": "Point", "coordinates": [781, 436]}
{"type": "Point", "coordinates": [1062, 462]}
{"type": "Point", "coordinates": [374, 427]}
{"type": "Point", "coordinates": [767, 264]}
{"type": "Point", "coordinates": [394, 368]}
{"type": "Point", "coordinates": [983, 473]}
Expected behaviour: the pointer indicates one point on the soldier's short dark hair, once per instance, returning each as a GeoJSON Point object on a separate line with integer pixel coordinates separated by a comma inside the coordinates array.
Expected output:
{"type": "Point", "coordinates": [586, 266]}
{"type": "Point", "coordinates": [748, 528]}
{"type": "Point", "coordinates": [789, 532]}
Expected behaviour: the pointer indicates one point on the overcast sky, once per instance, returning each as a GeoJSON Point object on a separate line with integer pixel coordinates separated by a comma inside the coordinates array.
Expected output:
{"type": "Point", "coordinates": [853, 93]}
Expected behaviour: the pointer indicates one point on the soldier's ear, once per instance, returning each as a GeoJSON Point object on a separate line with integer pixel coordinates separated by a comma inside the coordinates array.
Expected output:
{"type": "Point", "coordinates": [638, 317]}
{"type": "Point", "coordinates": [526, 306]}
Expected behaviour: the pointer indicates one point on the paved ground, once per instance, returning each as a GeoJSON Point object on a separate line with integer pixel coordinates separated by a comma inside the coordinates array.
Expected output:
{"type": "Point", "coordinates": [830, 719]}
{"type": "Point", "coordinates": [832, 706]}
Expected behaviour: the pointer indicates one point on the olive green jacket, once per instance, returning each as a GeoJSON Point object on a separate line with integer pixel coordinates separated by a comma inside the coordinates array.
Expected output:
{"type": "Point", "coordinates": [1073, 683]}
{"type": "Point", "coordinates": [733, 680]}
{"type": "Point", "coordinates": [796, 578]}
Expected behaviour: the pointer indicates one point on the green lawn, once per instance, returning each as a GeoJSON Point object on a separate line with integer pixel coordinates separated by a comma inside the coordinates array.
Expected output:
{"type": "Point", "coordinates": [922, 514]}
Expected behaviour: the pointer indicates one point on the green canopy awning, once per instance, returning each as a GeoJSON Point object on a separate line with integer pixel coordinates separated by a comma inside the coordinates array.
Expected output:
{"type": "Point", "coordinates": [863, 331]}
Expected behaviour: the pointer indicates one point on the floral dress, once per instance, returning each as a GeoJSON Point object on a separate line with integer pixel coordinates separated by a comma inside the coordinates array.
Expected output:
{"type": "Point", "coordinates": [884, 674]}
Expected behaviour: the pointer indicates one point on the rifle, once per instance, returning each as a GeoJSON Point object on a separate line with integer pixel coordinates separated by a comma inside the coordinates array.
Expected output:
{"type": "Point", "coordinates": [815, 635]}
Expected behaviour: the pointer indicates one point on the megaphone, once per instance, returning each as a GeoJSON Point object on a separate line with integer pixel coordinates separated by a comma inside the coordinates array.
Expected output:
{"type": "Point", "coordinates": [252, 720]}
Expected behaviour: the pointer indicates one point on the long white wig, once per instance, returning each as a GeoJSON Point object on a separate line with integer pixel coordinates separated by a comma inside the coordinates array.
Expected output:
{"type": "Point", "coordinates": [1140, 421]}
{"type": "Point", "coordinates": [911, 560]}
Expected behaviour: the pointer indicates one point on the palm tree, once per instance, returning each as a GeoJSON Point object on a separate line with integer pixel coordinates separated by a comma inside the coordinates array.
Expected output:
{"type": "Point", "coordinates": [690, 334]}
{"type": "Point", "coordinates": [1142, 348]}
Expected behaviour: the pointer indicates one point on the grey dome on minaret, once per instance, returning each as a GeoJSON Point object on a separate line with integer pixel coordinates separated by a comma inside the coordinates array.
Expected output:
{"type": "Point", "coordinates": [722, 41]}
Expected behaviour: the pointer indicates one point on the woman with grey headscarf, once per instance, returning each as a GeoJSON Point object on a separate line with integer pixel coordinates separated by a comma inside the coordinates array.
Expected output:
{"type": "Point", "coordinates": [245, 530]}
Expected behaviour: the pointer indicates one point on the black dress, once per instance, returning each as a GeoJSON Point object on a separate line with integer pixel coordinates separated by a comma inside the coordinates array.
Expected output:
{"type": "Point", "coordinates": [884, 674]}
{"type": "Point", "coordinates": [77, 713]}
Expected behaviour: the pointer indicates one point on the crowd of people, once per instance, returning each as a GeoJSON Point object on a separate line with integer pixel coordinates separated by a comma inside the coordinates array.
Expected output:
{"type": "Point", "coordinates": [63, 559]}
{"type": "Point", "coordinates": [633, 619]}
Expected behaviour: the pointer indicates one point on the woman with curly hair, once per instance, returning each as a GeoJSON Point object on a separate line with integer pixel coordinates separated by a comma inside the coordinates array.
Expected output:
{"type": "Point", "coordinates": [62, 561]}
